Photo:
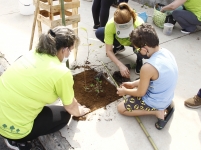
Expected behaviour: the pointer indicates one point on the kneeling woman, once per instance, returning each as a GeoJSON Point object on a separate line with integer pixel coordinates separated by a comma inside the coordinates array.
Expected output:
{"type": "Point", "coordinates": [34, 80]}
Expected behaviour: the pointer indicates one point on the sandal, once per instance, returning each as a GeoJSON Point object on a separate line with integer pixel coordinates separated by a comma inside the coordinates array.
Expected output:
{"type": "Point", "coordinates": [161, 123]}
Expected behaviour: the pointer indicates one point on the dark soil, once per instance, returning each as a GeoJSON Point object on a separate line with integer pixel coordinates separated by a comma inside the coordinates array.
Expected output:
{"type": "Point", "coordinates": [119, 79]}
{"type": "Point", "coordinates": [90, 97]}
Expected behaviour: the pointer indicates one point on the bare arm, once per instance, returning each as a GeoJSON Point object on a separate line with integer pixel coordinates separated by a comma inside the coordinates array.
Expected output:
{"type": "Point", "coordinates": [131, 85]}
{"type": "Point", "coordinates": [76, 109]}
{"type": "Point", "coordinates": [123, 69]}
{"type": "Point", "coordinates": [147, 73]}
{"type": "Point", "coordinates": [172, 6]}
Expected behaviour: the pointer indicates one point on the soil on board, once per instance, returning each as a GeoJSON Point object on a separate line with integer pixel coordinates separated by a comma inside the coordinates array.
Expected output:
{"type": "Point", "coordinates": [90, 97]}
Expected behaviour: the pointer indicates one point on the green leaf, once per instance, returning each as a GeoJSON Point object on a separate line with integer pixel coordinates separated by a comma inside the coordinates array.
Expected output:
{"type": "Point", "coordinates": [83, 29]}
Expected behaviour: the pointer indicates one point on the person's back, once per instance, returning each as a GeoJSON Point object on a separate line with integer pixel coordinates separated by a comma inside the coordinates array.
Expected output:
{"type": "Point", "coordinates": [161, 91]}
{"type": "Point", "coordinates": [26, 81]}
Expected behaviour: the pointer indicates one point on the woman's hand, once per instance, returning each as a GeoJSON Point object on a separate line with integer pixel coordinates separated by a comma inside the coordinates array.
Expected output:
{"type": "Point", "coordinates": [124, 71]}
{"type": "Point", "coordinates": [83, 110]}
{"type": "Point", "coordinates": [76, 109]}
{"type": "Point", "coordinates": [121, 91]}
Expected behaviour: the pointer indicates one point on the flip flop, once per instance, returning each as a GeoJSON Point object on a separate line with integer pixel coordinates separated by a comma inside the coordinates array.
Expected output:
{"type": "Point", "coordinates": [161, 123]}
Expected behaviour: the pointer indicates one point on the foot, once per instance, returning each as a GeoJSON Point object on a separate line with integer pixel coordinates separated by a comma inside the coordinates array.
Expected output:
{"type": "Point", "coordinates": [118, 49]}
{"type": "Point", "coordinates": [194, 102]}
{"type": "Point", "coordinates": [96, 27]}
{"type": "Point", "coordinates": [138, 66]}
{"type": "Point", "coordinates": [18, 146]}
{"type": "Point", "coordinates": [160, 124]}
{"type": "Point", "coordinates": [161, 114]}
{"type": "Point", "coordinates": [185, 31]}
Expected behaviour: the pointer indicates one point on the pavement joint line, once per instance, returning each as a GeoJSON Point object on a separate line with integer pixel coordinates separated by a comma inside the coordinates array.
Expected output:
{"type": "Point", "coordinates": [178, 37]}
{"type": "Point", "coordinates": [9, 13]}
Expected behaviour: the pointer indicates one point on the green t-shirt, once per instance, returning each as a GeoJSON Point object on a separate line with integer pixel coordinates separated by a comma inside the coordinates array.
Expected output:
{"type": "Point", "coordinates": [194, 6]}
{"type": "Point", "coordinates": [26, 87]}
{"type": "Point", "coordinates": [110, 32]}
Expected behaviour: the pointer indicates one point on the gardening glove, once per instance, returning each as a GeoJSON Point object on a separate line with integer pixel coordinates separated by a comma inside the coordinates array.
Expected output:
{"type": "Point", "coordinates": [83, 110]}
{"type": "Point", "coordinates": [124, 71]}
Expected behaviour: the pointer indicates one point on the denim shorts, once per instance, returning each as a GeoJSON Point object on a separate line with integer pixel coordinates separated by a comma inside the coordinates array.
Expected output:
{"type": "Point", "coordinates": [136, 103]}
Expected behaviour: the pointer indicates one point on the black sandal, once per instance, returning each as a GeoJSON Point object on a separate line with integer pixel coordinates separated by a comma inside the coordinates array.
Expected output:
{"type": "Point", "coordinates": [161, 123]}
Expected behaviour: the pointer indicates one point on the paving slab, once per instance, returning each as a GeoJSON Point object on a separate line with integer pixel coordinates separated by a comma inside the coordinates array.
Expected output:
{"type": "Point", "coordinates": [105, 128]}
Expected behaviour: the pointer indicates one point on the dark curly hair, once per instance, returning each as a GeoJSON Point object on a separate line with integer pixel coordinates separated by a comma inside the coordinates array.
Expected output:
{"type": "Point", "coordinates": [144, 34]}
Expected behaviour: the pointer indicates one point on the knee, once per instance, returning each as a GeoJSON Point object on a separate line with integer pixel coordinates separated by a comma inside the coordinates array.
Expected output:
{"type": "Point", "coordinates": [100, 33]}
{"type": "Point", "coordinates": [121, 108]}
{"type": "Point", "coordinates": [176, 14]}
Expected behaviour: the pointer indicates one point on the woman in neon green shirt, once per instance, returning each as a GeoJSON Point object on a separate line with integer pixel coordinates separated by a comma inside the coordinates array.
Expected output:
{"type": "Point", "coordinates": [188, 18]}
{"type": "Point", "coordinates": [34, 80]}
{"type": "Point", "coordinates": [116, 35]}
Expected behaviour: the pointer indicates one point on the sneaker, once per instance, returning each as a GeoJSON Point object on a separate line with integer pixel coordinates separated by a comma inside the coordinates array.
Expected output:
{"type": "Point", "coordinates": [11, 144]}
{"type": "Point", "coordinates": [18, 146]}
{"type": "Point", "coordinates": [96, 27]}
{"type": "Point", "coordinates": [138, 66]}
{"type": "Point", "coordinates": [118, 49]}
{"type": "Point", "coordinates": [194, 102]}
{"type": "Point", "coordinates": [185, 31]}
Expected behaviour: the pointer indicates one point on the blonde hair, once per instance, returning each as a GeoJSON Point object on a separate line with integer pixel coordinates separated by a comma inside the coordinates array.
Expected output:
{"type": "Point", "coordinates": [124, 13]}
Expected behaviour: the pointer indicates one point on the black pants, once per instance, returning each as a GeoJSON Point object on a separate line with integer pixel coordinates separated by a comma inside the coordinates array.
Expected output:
{"type": "Point", "coordinates": [100, 11]}
{"type": "Point", "coordinates": [120, 1]}
{"type": "Point", "coordinates": [49, 120]}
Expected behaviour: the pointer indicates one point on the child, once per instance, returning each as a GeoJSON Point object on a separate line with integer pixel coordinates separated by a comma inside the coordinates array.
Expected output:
{"type": "Point", "coordinates": [152, 94]}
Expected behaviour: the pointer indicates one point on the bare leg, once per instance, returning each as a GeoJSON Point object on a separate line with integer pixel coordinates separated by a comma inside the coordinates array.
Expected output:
{"type": "Point", "coordinates": [122, 110]}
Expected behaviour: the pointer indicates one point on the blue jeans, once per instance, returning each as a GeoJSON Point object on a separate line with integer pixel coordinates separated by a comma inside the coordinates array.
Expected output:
{"type": "Point", "coordinates": [186, 19]}
{"type": "Point", "coordinates": [100, 34]}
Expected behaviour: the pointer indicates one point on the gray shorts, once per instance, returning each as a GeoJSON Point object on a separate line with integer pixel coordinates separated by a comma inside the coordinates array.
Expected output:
{"type": "Point", "coordinates": [136, 103]}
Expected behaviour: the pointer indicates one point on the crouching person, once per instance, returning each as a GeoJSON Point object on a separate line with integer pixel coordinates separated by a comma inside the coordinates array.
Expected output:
{"type": "Point", "coordinates": [34, 80]}
{"type": "Point", "coordinates": [152, 94]}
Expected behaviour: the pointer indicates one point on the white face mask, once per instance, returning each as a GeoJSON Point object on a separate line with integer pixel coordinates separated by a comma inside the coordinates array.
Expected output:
{"type": "Point", "coordinates": [65, 59]}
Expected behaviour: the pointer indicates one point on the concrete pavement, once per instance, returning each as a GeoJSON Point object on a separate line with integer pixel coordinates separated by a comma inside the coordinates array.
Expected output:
{"type": "Point", "coordinates": [183, 130]}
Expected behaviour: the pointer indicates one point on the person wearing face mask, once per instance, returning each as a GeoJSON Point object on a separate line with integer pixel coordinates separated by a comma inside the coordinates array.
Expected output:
{"type": "Point", "coordinates": [34, 80]}
{"type": "Point", "coordinates": [115, 35]}
{"type": "Point", "coordinates": [152, 94]}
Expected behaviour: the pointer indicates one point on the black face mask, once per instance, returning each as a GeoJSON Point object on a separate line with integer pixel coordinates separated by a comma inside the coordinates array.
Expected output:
{"type": "Point", "coordinates": [143, 56]}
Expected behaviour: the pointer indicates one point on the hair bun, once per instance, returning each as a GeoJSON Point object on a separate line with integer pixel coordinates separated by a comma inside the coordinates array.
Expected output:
{"type": "Point", "coordinates": [52, 33]}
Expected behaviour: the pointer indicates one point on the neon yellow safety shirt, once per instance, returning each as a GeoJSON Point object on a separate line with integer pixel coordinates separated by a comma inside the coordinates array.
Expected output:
{"type": "Point", "coordinates": [110, 31]}
{"type": "Point", "coordinates": [26, 87]}
{"type": "Point", "coordinates": [194, 6]}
